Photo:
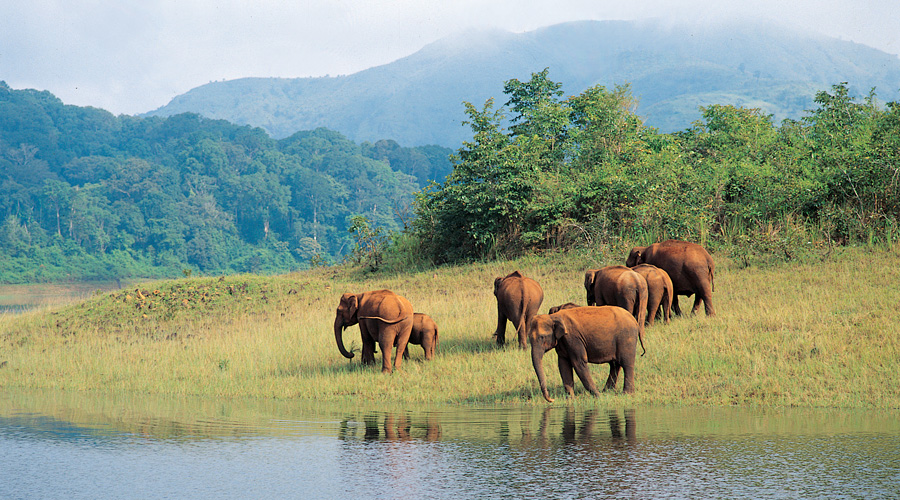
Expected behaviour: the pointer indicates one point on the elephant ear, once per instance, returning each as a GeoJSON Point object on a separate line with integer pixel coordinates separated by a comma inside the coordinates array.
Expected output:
{"type": "Point", "coordinates": [497, 282]}
{"type": "Point", "coordinates": [351, 303]}
{"type": "Point", "coordinates": [636, 257]}
{"type": "Point", "coordinates": [559, 329]}
{"type": "Point", "coordinates": [589, 279]}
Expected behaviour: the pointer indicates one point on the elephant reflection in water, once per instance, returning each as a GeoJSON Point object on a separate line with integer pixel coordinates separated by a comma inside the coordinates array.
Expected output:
{"type": "Point", "coordinates": [587, 430]}
{"type": "Point", "coordinates": [393, 427]}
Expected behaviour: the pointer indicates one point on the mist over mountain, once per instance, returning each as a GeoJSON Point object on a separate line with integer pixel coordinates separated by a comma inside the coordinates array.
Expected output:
{"type": "Point", "coordinates": [673, 69]}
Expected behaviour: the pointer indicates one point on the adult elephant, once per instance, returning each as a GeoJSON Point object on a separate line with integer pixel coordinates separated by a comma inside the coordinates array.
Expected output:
{"type": "Point", "coordinates": [689, 265]}
{"type": "Point", "coordinates": [659, 291]}
{"type": "Point", "coordinates": [518, 300]}
{"type": "Point", "coordinates": [618, 286]}
{"type": "Point", "coordinates": [383, 317]}
{"type": "Point", "coordinates": [582, 335]}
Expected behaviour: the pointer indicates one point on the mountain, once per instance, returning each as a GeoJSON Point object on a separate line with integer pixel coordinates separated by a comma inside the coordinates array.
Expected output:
{"type": "Point", "coordinates": [673, 69]}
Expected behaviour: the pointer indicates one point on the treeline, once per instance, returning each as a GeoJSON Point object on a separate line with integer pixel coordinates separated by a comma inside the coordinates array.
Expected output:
{"type": "Point", "coordinates": [85, 194]}
{"type": "Point", "coordinates": [544, 171]}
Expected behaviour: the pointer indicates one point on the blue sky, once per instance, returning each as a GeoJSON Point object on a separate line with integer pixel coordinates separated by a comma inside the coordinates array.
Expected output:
{"type": "Point", "coordinates": [132, 56]}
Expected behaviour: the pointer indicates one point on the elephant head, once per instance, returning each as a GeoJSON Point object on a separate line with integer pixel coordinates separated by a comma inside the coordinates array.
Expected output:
{"type": "Point", "coordinates": [635, 257]}
{"type": "Point", "coordinates": [545, 334]}
{"type": "Point", "coordinates": [567, 305]}
{"type": "Point", "coordinates": [589, 286]}
{"type": "Point", "coordinates": [346, 316]}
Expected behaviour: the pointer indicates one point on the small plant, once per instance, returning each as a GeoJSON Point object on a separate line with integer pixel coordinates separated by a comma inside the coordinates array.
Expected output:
{"type": "Point", "coordinates": [370, 242]}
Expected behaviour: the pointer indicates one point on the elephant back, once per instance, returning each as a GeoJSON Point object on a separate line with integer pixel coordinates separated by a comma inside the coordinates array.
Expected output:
{"type": "Point", "coordinates": [685, 262]}
{"type": "Point", "coordinates": [385, 305]}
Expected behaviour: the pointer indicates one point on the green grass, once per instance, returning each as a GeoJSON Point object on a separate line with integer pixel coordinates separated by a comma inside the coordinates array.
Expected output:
{"type": "Point", "coordinates": [818, 334]}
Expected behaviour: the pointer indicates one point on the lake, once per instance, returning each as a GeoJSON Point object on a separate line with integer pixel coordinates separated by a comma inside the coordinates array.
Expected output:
{"type": "Point", "coordinates": [84, 445]}
{"type": "Point", "coordinates": [20, 298]}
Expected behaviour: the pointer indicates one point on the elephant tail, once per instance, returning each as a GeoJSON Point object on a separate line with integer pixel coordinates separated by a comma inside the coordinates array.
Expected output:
{"type": "Point", "coordinates": [712, 280]}
{"type": "Point", "coordinates": [388, 321]}
{"type": "Point", "coordinates": [641, 310]}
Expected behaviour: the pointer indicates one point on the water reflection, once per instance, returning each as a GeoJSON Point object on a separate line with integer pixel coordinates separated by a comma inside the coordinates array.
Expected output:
{"type": "Point", "coordinates": [391, 426]}
{"type": "Point", "coordinates": [70, 445]}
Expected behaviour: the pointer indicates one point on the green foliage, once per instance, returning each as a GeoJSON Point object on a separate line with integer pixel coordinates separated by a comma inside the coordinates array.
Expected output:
{"type": "Point", "coordinates": [370, 243]}
{"type": "Point", "coordinates": [586, 170]}
{"type": "Point", "coordinates": [147, 197]}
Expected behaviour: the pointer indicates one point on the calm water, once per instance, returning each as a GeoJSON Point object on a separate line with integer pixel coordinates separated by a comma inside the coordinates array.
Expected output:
{"type": "Point", "coordinates": [64, 445]}
{"type": "Point", "coordinates": [21, 298]}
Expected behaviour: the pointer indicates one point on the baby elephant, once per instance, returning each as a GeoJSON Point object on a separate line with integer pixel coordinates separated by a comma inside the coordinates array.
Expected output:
{"type": "Point", "coordinates": [567, 305]}
{"type": "Point", "coordinates": [425, 334]}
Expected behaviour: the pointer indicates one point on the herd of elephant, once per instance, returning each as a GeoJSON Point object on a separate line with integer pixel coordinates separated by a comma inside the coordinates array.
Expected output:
{"type": "Point", "coordinates": [620, 300]}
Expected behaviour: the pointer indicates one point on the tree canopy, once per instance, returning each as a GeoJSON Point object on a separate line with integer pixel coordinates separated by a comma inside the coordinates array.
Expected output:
{"type": "Point", "coordinates": [85, 194]}
{"type": "Point", "coordinates": [585, 169]}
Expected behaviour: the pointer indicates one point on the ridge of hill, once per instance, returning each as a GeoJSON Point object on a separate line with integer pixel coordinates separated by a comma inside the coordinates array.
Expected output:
{"type": "Point", "coordinates": [673, 69]}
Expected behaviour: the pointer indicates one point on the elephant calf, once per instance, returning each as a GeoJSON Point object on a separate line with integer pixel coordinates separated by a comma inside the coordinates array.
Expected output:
{"type": "Point", "coordinates": [567, 305]}
{"type": "Point", "coordinates": [659, 291]}
{"type": "Point", "coordinates": [424, 333]}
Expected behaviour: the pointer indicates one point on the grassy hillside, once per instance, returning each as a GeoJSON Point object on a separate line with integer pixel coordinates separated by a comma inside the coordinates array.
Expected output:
{"type": "Point", "coordinates": [818, 334]}
{"type": "Point", "coordinates": [673, 69]}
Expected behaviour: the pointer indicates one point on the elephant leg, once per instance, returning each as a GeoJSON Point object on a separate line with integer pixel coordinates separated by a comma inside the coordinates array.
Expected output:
{"type": "Point", "coordinates": [368, 345]}
{"type": "Point", "coordinates": [565, 372]}
{"type": "Point", "coordinates": [653, 301]}
{"type": "Point", "coordinates": [675, 308]}
{"type": "Point", "coordinates": [629, 378]}
{"type": "Point", "coordinates": [500, 332]}
{"type": "Point", "coordinates": [428, 347]}
{"type": "Point", "coordinates": [386, 349]}
{"type": "Point", "coordinates": [400, 333]}
{"type": "Point", "coordinates": [613, 376]}
{"type": "Point", "coordinates": [584, 373]}
{"type": "Point", "coordinates": [652, 310]}
{"type": "Point", "coordinates": [706, 294]}
{"type": "Point", "coordinates": [522, 334]}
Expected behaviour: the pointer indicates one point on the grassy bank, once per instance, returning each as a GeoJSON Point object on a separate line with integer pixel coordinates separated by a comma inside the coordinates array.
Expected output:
{"type": "Point", "coordinates": [813, 334]}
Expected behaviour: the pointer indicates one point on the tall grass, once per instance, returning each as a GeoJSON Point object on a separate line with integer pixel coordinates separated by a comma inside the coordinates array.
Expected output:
{"type": "Point", "coordinates": [818, 333]}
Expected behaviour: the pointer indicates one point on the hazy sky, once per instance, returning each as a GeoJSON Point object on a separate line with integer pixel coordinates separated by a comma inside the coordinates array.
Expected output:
{"type": "Point", "coordinates": [132, 56]}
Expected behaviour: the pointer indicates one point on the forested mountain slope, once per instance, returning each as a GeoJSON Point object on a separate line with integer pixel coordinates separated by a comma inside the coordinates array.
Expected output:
{"type": "Point", "coordinates": [85, 194]}
{"type": "Point", "coordinates": [673, 70]}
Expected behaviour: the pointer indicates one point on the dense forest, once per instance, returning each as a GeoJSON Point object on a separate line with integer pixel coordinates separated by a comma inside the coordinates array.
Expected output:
{"type": "Point", "coordinates": [88, 195]}
{"type": "Point", "coordinates": [544, 172]}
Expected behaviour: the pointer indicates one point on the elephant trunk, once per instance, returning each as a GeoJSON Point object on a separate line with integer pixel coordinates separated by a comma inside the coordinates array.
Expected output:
{"type": "Point", "coordinates": [339, 337]}
{"type": "Point", "coordinates": [537, 358]}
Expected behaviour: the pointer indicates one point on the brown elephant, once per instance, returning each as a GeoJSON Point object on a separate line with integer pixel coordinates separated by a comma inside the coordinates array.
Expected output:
{"type": "Point", "coordinates": [567, 305]}
{"type": "Point", "coordinates": [618, 286]}
{"type": "Point", "coordinates": [518, 299]}
{"type": "Point", "coordinates": [383, 316]}
{"type": "Point", "coordinates": [424, 333]}
{"type": "Point", "coordinates": [689, 265]}
{"type": "Point", "coordinates": [659, 291]}
{"type": "Point", "coordinates": [582, 335]}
